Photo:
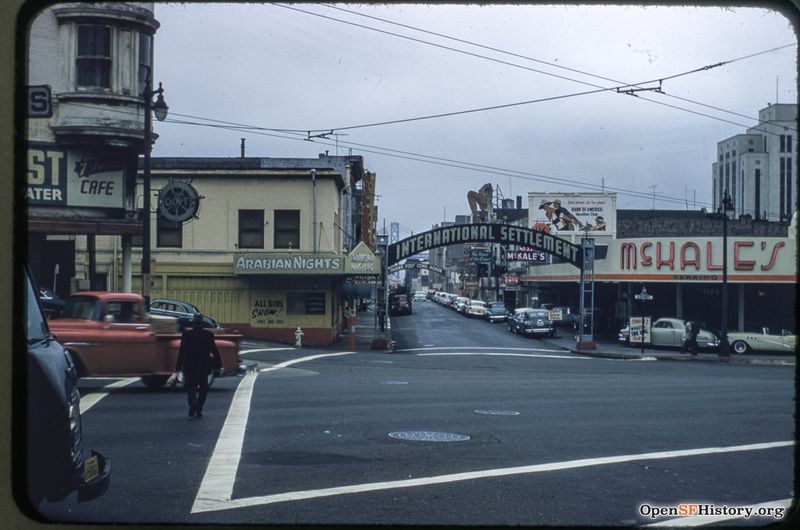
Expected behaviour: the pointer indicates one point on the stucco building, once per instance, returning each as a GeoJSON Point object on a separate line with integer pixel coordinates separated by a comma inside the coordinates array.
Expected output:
{"type": "Point", "coordinates": [270, 246]}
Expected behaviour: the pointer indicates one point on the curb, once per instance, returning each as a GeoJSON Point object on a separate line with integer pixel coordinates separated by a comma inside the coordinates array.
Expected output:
{"type": "Point", "coordinates": [687, 358]}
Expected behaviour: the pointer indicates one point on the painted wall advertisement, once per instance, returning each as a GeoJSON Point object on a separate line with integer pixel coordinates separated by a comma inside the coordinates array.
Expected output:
{"type": "Point", "coordinates": [556, 213]}
{"type": "Point", "coordinates": [60, 177]}
{"type": "Point", "coordinates": [268, 309]}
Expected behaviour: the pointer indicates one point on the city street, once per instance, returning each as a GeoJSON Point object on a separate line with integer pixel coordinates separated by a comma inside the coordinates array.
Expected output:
{"type": "Point", "coordinates": [463, 424]}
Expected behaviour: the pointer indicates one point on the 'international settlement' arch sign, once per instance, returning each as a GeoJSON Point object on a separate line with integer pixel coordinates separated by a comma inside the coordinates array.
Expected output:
{"type": "Point", "coordinates": [494, 233]}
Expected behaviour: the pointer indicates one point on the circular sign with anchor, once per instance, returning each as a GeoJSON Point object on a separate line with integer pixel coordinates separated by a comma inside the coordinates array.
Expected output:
{"type": "Point", "coordinates": [178, 201]}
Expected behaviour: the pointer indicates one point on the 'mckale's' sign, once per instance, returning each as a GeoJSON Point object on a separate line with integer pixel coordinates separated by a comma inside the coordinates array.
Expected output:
{"type": "Point", "coordinates": [702, 256]}
{"type": "Point", "coordinates": [495, 233]}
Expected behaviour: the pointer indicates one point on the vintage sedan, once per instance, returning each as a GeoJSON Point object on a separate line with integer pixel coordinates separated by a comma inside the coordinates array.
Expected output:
{"type": "Point", "coordinates": [762, 340]}
{"type": "Point", "coordinates": [475, 309]}
{"type": "Point", "coordinates": [533, 322]}
{"type": "Point", "coordinates": [668, 332]}
{"type": "Point", "coordinates": [496, 312]}
{"type": "Point", "coordinates": [183, 311]}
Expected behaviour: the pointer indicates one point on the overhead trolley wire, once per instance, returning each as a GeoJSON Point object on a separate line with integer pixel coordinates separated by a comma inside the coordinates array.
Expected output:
{"type": "Point", "coordinates": [624, 85]}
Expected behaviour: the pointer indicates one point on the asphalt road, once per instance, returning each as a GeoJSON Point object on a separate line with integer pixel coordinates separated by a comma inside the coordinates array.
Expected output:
{"type": "Point", "coordinates": [464, 424]}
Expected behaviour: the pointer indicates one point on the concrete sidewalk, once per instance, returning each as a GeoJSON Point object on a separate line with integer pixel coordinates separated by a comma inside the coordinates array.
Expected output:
{"type": "Point", "coordinates": [368, 335]}
{"type": "Point", "coordinates": [613, 350]}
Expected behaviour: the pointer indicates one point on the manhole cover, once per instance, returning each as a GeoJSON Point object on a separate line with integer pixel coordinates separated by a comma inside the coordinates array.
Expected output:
{"type": "Point", "coordinates": [429, 436]}
{"type": "Point", "coordinates": [498, 412]}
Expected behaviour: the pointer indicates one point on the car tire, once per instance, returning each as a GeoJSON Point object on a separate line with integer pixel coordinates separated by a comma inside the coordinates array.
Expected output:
{"type": "Point", "coordinates": [740, 347]}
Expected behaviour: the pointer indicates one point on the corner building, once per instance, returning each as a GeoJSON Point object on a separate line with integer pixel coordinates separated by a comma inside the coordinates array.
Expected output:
{"type": "Point", "coordinates": [271, 245]}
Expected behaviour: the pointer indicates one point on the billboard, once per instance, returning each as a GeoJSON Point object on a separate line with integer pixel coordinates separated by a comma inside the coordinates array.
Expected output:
{"type": "Point", "coordinates": [573, 213]}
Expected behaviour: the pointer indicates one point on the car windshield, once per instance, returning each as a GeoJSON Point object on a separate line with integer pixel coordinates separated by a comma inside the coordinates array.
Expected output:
{"type": "Point", "coordinates": [538, 314]}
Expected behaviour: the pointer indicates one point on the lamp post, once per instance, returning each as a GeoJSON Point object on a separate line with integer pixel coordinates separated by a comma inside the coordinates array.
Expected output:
{"type": "Point", "coordinates": [726, 207]}
{"type": "Point", "coordinates": [160, 109]}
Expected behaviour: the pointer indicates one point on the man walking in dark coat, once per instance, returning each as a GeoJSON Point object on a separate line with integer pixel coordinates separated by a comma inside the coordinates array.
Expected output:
{"type": "Point", "coordinates": [195, 361]}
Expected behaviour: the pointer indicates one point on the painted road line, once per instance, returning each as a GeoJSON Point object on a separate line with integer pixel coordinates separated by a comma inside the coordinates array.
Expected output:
{"type": "Point", "coordinates": [477, 475]}
{"type": "Point", "coordinates": [90, 400]}
{"type": "Point", "coordinates": [217, 485]}
{"type": "Point", "coordinates": [481, 348]}
{"type": "Point", "coordinates": [304, 359]}
{"type": "Point", "coordinates": [258, 350]}
{"type": "Point", "coordinates": [700, 520]}
{"type": "Point", "coordinates": [502, 354]}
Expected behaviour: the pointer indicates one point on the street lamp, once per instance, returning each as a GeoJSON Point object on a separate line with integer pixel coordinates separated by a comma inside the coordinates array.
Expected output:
{"type": "Point", "coordinates": [160, 109]}
{"type": "Point", "coordinates": [727, 206]}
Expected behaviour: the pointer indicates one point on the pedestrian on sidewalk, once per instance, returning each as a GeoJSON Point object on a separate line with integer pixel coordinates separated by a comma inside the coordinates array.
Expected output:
{"type": "Point", "coordinates": [690, 337]}
{"type": "Point", "coordinates": [197, 356]}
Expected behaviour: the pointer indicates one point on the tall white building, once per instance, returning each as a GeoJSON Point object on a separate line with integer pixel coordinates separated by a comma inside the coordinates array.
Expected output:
{"type": "Point", "coordinates": [757, 168]}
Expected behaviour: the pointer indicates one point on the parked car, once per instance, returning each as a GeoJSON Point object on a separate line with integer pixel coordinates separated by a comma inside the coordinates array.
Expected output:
{"type": "Point", "coordinates": [533, 322]}
{"type": "Point", "coordinates": [475, 309]}
{"type": "Point", "coordinates": [668, 332]}
{"type": "Point", "coordinates": [496, 312]}
{"type": "Point", "coordinates": [56, 463]}
{"type": "Point", "coordinates": [459, 303]}
{"type": "Point", "coordinates": [183, 311]}
{"type": "Point", "coordinates": [420, 296]}
{"type": "Point", "coordinates": [762, 340]}
{"type": "Point", "coordinates": [52, 304]}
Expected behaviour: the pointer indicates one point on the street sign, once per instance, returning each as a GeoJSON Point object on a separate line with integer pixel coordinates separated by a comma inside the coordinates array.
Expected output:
{"type": "Point", "coordinates": [643, 295]}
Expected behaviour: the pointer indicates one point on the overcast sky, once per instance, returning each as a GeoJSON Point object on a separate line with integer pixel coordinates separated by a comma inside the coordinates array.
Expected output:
{"type": "Point", "coordinates": [271, 67]}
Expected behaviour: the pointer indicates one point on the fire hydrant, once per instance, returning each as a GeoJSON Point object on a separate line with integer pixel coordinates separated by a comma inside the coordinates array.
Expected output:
{"type": "Point", "coordinates": [298, 338]}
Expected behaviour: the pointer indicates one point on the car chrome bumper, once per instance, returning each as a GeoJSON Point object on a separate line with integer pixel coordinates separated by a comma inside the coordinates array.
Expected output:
{"type": "Point", "coordinates": [538, 331]}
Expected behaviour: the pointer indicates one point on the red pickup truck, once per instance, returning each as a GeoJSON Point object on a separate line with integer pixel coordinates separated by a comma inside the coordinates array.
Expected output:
{"type": "Point", "coordinates": [109, 334]}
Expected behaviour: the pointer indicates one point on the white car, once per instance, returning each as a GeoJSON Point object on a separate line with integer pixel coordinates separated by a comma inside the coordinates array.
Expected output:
{"type": "Point", "coordinates": [668, 332]}
{"type": "Point", "coordinates": [475, 309]}
{"type": "Point", "coordinates": [747, 341]}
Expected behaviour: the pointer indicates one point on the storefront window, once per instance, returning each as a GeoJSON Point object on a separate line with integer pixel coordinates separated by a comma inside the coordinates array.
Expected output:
{"type": "Point", "coordinates": [305, 303]}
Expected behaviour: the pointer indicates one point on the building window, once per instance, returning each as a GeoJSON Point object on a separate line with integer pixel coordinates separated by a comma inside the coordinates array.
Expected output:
{"type": "Point", "coordinates": [789, 208]}
{"type": "Point", "coordinates": [94, 57]}
{"type": "Point", "coordinates": [789, 143]}
{"type": "Point", "coordinates": [287, 228]}
{"type": "Point", "coordinates": [145, 59]}
{"type": "Point", "coordinates": [782, 200]}
{"type": "Point", "coordinates": [169, 234]}
{"type": "Point", "coordinates": [757, 189]}
{"type": "Point", "coordinates": [251, 228]}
